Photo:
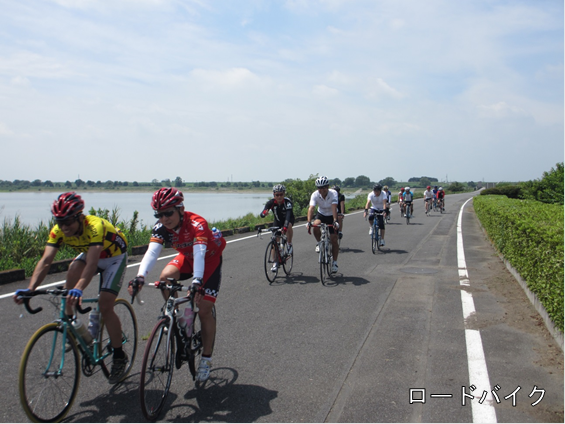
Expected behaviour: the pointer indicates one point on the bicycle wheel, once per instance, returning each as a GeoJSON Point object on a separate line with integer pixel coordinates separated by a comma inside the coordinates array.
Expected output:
{"type": "Point", "coordinates": [407, 216]}
{"type": "Point", "coordinates": [270, 255]}
{"type": "Point", "coordinates": [374, 239]}
{"type": "Point", "coordinates": [49, 378]}
{"type": "Point", "coordinates": [157, 370]}
{"type": "Point", "coordinates": [323, 262]}
{"type": "Point", "coordinates": [288, 261]}
{"type": "Point", "coordinates": [125, 313]}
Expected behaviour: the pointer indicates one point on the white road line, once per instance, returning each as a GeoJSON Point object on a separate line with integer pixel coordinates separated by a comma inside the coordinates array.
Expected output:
{"type": "Point", "coordinates": [4, 296]}
{"type": "Point", "coordinates": [478, 373]}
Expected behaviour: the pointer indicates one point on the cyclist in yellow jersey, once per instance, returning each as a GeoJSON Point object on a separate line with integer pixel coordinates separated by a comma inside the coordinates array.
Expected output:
{"type": "Point", "coordinates": [102, 247]}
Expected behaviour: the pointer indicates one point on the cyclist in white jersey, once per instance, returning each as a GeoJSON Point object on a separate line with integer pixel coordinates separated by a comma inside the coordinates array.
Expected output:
{"type": "Point", "coordinates": [377, 201]}
{"type": "Point", "coordinates": [326, 201]}
{"type": "Point", "coordinates": [428, 198]}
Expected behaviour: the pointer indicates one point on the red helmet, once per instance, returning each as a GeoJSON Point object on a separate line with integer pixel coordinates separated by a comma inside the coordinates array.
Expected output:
{"type": "Point", "coordinates": [402, 189]}
{"type": "Point", "coordinates": [428, 187]}
{"type": "Point", "coordinates": [67, 205]}
{"type": "Point", "coordinates": [167, 197]}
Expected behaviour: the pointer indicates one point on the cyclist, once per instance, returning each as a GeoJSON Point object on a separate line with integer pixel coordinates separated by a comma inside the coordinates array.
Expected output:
{"type": "Point", "coordinates": [103, 248]}
{"type": "Point", "coordinates": [401, 201]}
{"type": "Point", "coordinates": [428, 198]}
{"type": "Point", "coordinates": [408, 197]}
{"type": "Point", "coordinates": [200, 256]}
{"type": "Point", "coordinates": [377, 200]}
{"type": "Point", "coordinates": [283, 213]}
{"type": "Point", "coordinates": [326, 200]}
{"type": "Point", "coordinates": [441, 198]}
{"type": "Point", "coordinates": [435, 190]}
{"type": "Point", "coordinates": [340, 209]}
{"type": "Point", "coordinates": [388, 194]}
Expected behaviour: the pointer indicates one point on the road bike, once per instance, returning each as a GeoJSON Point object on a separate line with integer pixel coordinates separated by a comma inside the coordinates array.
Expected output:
{"type": "Point", "coordinates": [277, 252]}
{"type": "Point", "coordinates": [50, 367]}
{"type": "Point", "coordinates": [408, 214]}
{"type": "Point", "coordinates": [325, 255]}
{"type": "Point", "coordinates": [169, 345]}
{"type": "Point", "coordinates": [375, 233]}
{"type": "Point", "coordinates": [429, 206]}
{"type": "Point", "coordinates": [441, 205]}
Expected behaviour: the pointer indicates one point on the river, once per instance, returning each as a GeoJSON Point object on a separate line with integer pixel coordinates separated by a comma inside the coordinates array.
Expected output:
{"type": "Point", "coordinates": [34, 207]}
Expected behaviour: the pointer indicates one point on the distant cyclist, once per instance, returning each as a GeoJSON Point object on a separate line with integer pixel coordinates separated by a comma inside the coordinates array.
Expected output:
{"type": "Point", "coordinates": [401, 201]}
{"type": "Point", "coordinates": [376, 200]}
{"type": "Point", "coordinates": [340, 209]}
{"type": "Point", "coordinates": [326, 201]}
{"type": "Point", "coordinates": [103, 248]}
{"type": "Point", "coordinates": [435, 190]}
{"type": "Point", "coordinates": [388, 200]}
{"type": "Point", "coordinates": [428, 199]}
{"type": "Point", "coordinates": [441, 198]}
{"type": "Point", "coordinates": [408, 197]}
{"type": "Point", "coordinates": [200, 257]}
{"type": "Point", "coordinates": [283, 213]}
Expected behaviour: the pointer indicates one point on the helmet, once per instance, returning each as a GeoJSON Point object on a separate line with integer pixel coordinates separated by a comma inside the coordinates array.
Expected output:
{"type": "Point", "coordinates": [67, 205]}
{"type": "Point", "coordinates": [385, 188]}
{"type": "Point", "coordinates": [336, 188]}
{"type": "Point", "coordinates": [402, 189]}
{"type": "Point", "coordinates": [441, 188]}
{"type": "Point", "coordinates": [407, 189]}
{"type": "Point", "coordinates": [435, 186]}
{"type": "Point", "coordinates": [278, 188]}
{"type": "Point", "coordinates": [428, 187]}
{"type": "Point", "coordinates": [322, 182]}
{"type": "Point", "coordinates": [377, 187]}
{"type": "Point", "coordinates": [167, 197]}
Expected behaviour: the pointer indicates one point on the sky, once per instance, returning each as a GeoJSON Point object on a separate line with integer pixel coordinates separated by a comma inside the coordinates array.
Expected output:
{"type": "Point", "coordinates": [246, 90]}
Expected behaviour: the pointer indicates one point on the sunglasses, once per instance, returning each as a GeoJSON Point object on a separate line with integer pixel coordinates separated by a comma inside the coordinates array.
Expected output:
{"type": "Point", "coordinates": [279, 194]}
{"type": "Point", "coordinates": [161, 214]}
{"type": "Point", "coordinates": [66, 222]}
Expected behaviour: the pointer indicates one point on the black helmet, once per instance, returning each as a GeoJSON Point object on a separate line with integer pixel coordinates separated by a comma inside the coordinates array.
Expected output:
{"type": "Point", "coordinates": [377, 187]}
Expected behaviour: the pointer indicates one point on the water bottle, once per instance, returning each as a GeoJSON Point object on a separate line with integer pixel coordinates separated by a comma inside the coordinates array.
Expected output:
{"type": "Point", "coordinates": [216, 233]}
{"type": "Point", "coordinates": [188, 317]}
{"type": "Point", "coordinates": [94, 323]}
{"type": "Point", "coordinates": [82, 330]}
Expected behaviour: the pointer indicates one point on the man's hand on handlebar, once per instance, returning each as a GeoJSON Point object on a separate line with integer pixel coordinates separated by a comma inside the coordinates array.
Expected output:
{"type": "Point", "coordinates": [135, 285]}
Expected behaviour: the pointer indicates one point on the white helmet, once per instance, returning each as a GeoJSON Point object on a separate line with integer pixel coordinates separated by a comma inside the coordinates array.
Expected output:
{"type": "Point", "coordinates": [441, 188]}
{"type": "Point", "coordinates": [407, 189]}
{"type": "Point", "coordinates": [322, 181]}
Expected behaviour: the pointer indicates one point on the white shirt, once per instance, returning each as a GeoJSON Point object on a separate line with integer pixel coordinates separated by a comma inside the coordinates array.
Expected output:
{"type": "Point", "coordinates": [377, 201]}
{"type": "Point", "coordinates": [428, 194]}
{"type": "Point", "coordinates": [324, 205]}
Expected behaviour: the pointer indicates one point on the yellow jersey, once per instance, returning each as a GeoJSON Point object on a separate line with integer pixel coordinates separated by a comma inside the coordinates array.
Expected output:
{"type": "Point", "coordinates": [96, 232]}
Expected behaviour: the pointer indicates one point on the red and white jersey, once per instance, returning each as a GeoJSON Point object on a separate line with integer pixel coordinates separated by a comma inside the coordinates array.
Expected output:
{"type": "Point", "coordinates": [193, 231]}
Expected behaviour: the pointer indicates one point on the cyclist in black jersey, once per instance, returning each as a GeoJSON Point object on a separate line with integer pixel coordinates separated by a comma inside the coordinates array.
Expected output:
{"type": "Point", "coordinates": [283, 213]}
{"type": "Point", "coordinates": [340, 209]}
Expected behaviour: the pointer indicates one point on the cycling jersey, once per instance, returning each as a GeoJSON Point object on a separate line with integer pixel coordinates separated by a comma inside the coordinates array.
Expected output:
{"type": "Point", "coordinates": [428, 194]}
{"type": "Point", "coordinates": [377, 201]}
{"type": "Point", "coordinates": [193, 231]}
{"type": "Point", "coordinates": [96, 231]}
{"type": "Point", "coordinates": [408, 196]}
{"type": "Point", "coordinates": [324, 205]}
{"type": "Point", "coordinates": [283, 212]}
{"type": "Point", "coordinates": [440, 194]}
{"type": "Point", "coordinates": [341, 198]}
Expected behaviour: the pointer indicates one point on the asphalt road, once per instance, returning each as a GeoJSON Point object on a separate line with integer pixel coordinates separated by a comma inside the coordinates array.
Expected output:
{"type": "Point", "coordinates": [298, 351]}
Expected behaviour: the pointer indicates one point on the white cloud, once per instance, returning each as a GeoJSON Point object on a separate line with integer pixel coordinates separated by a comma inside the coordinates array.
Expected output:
{"type": "Point", "coordinates": [501, 110]}
{"type": "Point", "coordinates": [234, 77]}
{"type": "Point", "coordinates": [4, 130]}
{"type": "Point", "coordinates": [324, 91]}
{"type": "Point", "coordinates": [379, 89]}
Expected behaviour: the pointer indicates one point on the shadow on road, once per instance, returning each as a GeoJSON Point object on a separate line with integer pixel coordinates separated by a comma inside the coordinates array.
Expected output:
{"type": "Point", "coordinates": [220, 399]}
{"type": "Point", "coordinates": [294, 278]}
{"type": "Point", "coordinates": [340, 279]}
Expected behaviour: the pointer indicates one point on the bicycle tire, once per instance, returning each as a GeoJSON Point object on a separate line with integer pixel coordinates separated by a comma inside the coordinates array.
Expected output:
{"type": "Point", "coordinates": [374, 240]}
{"type": "Point", "coordinates": [44, 397]}
{"type": "Point", "coordinates": [288, 261]}
{"type": "Point", "coordinates": [323, 266]}
{"type": "Point", "coordinates": [128, 321]}
{"type": "Point", "coordinates": [407, 216]}
{"type": "Point", "coordinates": [157, 370]}
{"type": "Point", "coordinates": [271, 247]}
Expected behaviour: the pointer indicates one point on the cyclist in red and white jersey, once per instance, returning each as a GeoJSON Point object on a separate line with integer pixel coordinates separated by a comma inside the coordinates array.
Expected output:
{"type": "Point", "coordinates": [200, 256]}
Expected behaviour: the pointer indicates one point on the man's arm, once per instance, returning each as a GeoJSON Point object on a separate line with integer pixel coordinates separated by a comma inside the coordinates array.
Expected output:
{"type": "Point", "coordinates": [42, 267]}
{"type": "Point", "coordinates": [311, 210]}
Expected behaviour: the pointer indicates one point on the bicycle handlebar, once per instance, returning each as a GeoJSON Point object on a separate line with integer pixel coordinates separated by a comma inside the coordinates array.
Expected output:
{"type": "Point", "coordinates": [55, 292]}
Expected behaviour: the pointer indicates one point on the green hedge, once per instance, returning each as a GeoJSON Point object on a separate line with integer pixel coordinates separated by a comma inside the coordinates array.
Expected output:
{"type": "Point", "coordinates": [529, 234]}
